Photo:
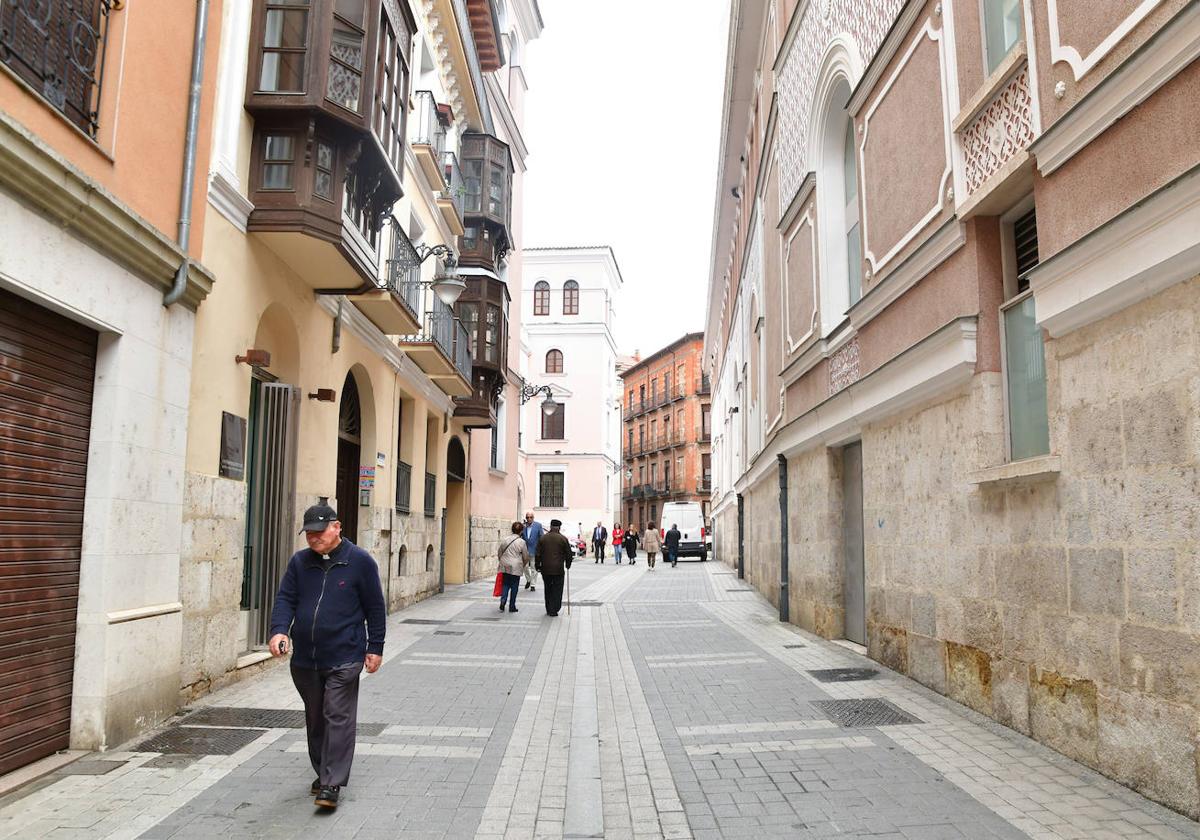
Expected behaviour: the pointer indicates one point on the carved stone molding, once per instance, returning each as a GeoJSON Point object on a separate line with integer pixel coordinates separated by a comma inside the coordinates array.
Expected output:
{"type": "Point", "coordinates": [1003, 128]}
{"type": "Point", "coordinates": [844, 367]}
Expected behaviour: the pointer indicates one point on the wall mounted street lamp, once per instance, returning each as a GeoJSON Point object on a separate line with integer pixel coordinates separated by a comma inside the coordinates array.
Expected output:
{"type": "Point", "coordinates": [528, 392]}
{"type": "Point", "coordinates": [446, 284]}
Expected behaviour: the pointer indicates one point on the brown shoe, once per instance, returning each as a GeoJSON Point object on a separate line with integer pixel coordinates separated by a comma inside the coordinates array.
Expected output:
{"type": "Point", "coordinates": [328, 797]}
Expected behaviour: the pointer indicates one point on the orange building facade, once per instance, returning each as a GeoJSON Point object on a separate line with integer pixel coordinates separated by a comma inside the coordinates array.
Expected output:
{"type": "Point", "coordinates": [666, 432]}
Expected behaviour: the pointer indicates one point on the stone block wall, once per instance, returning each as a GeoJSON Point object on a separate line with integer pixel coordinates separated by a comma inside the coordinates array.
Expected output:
{"type": "Point", "coordinates": [413, 548]}
{"type": "Point", "coordinates": [1067, 608]}
{"type": "Point", "coordinates": [486, 534]}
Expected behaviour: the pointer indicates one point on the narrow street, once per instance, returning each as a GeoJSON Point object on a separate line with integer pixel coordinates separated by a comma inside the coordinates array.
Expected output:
{"type": "Point", "coordinates": [670, 703]}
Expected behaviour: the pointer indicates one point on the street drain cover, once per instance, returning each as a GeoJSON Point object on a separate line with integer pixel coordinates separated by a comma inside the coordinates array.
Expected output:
{"type": "Point", "coordinates": [425, 621]}
{"type": "Point", "coordinates": [171, 762]}
{"type": "Point", "coordinates": [585, 603]}
{"type": "Point", "coordinates": [199, 740]}
{"type": "Point", "coordinates": [237, 716]}
{"type": "Point", "coordinates": [793, 646]}
{"type": "Point", "coordinates": [740, 589]}
{"type": "Point", "coordinates": [829, 675]}
{"type": "Point", "coordinates": [449, 633]}
{"type": "Point", "coordinates": [864, 712]}
{"type": "Point", "coordinates": [91, 768]}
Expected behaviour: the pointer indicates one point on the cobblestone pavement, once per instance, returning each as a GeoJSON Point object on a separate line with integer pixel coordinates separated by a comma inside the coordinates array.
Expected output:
{"type": "Point", "coordinates": [671, 703]}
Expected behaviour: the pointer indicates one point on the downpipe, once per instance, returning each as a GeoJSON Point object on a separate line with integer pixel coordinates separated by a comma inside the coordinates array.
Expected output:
{"type": "Point", "coordinates": [741, 516]}
{"type": "Point", "coordinates": [784, 606]}
{"type": "Point", "coordinates": [179, 286]}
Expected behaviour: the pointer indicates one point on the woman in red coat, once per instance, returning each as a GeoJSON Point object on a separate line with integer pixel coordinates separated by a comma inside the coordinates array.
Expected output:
{"type": "Point", "coordinates": [618, 541]}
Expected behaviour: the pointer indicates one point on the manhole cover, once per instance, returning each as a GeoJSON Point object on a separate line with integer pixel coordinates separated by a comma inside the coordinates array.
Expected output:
{"type": "Point", "coordinates": [171, 762]}
{"type": "Point", "coordinates": [256, 718]}
{"type": "Point", "coordinates": [864, 712]}
{"type": "Point", "coordinates": [829, 675]}
{"type": "Point", "coordinates": [199, 740]}
{"type": "Point", "coordinates": [793, 646]}
{"type": "Point", "coordinates": [425, 621]}
{"type": "Point", "coordinates": [449, 633]}
{"type": "Point", "coordinates": [91, 768]}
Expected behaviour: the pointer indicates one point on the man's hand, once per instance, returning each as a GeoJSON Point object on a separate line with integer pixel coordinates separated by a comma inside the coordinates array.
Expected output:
{"type": "Point", "coordinates": [374, 660]}
{"type": "Point", "coordinates": [274, 643]}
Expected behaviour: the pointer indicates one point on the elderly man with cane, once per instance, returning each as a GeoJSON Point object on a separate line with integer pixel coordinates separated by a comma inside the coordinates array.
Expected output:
{"type": "Point", "coordinates": [554, 555]}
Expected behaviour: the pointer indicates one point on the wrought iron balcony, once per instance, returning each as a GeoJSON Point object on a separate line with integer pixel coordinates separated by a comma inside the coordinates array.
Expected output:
{"type": "Point", "coordinates": [442, 347]}
{"type": "Point", "coordinates": [705, 386]}
{"type": "Point", "coordinates": [428, 135]}
{"type": "Point", "coordinates": [450, 200]}
{"type": "Point", "coordinates": [58, 50]}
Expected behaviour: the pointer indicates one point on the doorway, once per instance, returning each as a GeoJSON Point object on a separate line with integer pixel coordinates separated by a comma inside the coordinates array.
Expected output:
{"type": "Point", "coordinates": [270, 499]}
{"type": "Point", "coordinates": [454, 541]}
{"type": "Point", "coordinates": [349, 458]}
{"type": "Point", "coordinates": [854, 575]}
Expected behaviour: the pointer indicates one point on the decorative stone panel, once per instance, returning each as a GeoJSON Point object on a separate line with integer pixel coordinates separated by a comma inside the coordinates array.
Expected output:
{"type": "Point", "coordinates": [867, 22]}
{"type": "Point", "coordinates": [1001, 129]}
{"type": "Point", "coordinates": [844, 367]}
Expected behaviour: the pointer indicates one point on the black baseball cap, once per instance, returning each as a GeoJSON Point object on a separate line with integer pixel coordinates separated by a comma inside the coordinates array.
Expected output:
{"type": "Point", "coordinates": [318, 517]}
{"type": "Point", "coordinates": [555, 523]}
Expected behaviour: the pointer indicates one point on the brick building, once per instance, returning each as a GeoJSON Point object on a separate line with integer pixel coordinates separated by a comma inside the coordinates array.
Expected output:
{"type": "Point", "coordinates": [665, 439]}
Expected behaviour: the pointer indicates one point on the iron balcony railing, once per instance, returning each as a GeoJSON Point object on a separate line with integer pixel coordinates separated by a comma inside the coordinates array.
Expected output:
{"type": "Point", "coordinates": [445, 331]}
{"type": "Point", "coordinates": [456, 188]}
{"type": "Point", "coordinates": [427, 129]}
{"type": "Point", "coordinates": [404, 273]}
{"type": "Point", "coordinates": [58, 50]}
{"type": "Point", "coordinates": [704, 485]}
{"type": "Point", "coordinates": [705, 386]}
{"type": "Point", "coordinates": [462, 349]}
{"type": "Point", "coordinates": [403, 487]}
{"type": "Point", "coordinates": [430, 495]}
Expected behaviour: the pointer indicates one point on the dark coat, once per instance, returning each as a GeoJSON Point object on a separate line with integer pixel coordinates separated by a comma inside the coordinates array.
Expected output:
{"type": "Point", "coordinates": [324, 611]}
{"type": "Point", "coordinates": [671, 540]}
{"type": "Point", "coordinates": [603, 534]}
{"type": "Point", "coordinates": [554, 554]}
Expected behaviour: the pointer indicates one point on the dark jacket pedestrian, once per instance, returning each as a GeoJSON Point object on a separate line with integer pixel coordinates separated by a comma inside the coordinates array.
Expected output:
{"type": "Point", "coordinates": [554, 555]}
{"type": "Point", "coordinates": [330, 602]}
{"type": "Point", "coordinates": [599, 541]}
{"type": "Point", "coordinates": [631, 545]}
{"type": "Point", "coordinates": [671, 545]}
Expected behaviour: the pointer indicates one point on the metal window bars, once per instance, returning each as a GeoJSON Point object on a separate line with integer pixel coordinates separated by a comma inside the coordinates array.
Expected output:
{"type": "Point", "coordinates": [430, 495]}
{"type": "Point", "coordinates": [403, 486]}
{"type": "Point", "coordinates": [58, 48]}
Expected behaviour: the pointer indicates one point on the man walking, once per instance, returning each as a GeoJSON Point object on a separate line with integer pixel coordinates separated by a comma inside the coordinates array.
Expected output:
{"type": "Point", "coordinates": [328, 593]}
{"type": "Point", "coordinates": [532, 533]}
{"type": "Point", "coordinates": [554, 554]}
{"type": "Point", "coordinates": [599, 539]}
{"type": "Point", "coordinates": [671, 544]}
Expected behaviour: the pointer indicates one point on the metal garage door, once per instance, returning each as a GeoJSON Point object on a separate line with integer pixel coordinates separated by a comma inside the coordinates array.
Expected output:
{"type": "Point", "coordinates": [47, 366]}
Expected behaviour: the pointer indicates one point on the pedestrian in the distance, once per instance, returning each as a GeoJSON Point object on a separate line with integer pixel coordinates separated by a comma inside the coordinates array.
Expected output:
{"type": "Point", "coordinates": [671, 546]}
{"type": "Point", "coordinates": [554, 556]}
{"type": "Point", "coordinates": [599, 540]}
{"type": "Point", "coordinates": [513, 558]}
{"type": "Point", "coordinates": [651, 544]}
{"type": "Point", "coordinates": [532, 533]}
{"type": "Point", "coordinates": [618, 539]}
{"type": "Point", "coordinates": [631, 544]}
{"type": "Point", "coordinates": [331, 604]}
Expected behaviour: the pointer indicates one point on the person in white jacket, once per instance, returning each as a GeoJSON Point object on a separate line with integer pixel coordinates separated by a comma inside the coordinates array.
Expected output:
{"type": "Point", "coordinates": [513, 559]}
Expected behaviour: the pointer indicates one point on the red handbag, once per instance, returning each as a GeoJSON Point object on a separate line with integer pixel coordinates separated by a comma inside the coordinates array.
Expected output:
{"type": "Point", "coordinates": [499, 585]}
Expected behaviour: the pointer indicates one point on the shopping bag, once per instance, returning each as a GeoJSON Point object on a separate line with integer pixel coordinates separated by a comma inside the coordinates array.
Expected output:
{"type": "Point", "coordinates": [499, 585]}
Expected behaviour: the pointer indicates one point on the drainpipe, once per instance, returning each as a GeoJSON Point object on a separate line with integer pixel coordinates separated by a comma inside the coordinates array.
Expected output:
{"type": "Point", "coordinates": [741, 539]}
{"type": "Point", "coordinates": [189, 153]}
{"type": "Point", "coordinates": [783, 540]}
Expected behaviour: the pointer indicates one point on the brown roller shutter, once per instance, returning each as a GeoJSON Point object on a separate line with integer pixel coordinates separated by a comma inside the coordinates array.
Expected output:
{"type": "Point", "coordinates": [47, 368]}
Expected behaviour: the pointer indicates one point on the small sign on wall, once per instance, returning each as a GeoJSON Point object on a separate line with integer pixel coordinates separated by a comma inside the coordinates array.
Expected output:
{"type": "Point", "coordinates": [366, 478]}
{"type": "Point", "coordinates": [233, 447]}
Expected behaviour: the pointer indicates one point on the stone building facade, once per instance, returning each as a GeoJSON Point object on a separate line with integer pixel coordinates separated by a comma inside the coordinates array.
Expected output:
{"type": "Point", "coordinates": [954, 315]}
{"type": "Point", "coordinates": [666, 432]}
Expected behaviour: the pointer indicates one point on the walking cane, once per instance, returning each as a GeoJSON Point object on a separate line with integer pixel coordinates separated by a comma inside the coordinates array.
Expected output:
{"type": "Point", "coordinates": [568, 591]}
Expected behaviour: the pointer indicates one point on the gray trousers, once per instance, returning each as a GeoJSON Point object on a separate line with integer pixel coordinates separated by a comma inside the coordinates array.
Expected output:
{"type": "Point", "coordinates": [331, 717]}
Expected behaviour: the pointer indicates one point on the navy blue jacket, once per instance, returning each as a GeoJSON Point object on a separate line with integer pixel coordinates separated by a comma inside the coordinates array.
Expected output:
{"type": "Point", "coordinates": [325, 611]}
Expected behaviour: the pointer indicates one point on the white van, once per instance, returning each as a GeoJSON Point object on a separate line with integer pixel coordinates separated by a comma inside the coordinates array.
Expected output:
{"type": "Point", "coordinates": [689, 519]}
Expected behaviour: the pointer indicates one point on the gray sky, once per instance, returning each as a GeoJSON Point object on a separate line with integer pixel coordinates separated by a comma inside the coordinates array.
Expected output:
{"type": "Point", "coordinates": [623, 111]}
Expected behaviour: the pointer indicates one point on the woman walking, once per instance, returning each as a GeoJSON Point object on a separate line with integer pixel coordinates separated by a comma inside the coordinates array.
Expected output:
{"type": "Point", "coordinates": [514, 557]}
{"type": "Point", "coordinates": [651, 543]}
{"type": "Point", "coordinates": [631, 544]}
{"type": "Point", "coordinates": [618, 538]}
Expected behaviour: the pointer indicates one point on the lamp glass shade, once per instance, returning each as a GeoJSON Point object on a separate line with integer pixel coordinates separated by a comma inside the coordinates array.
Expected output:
{"type": "Point", "coordinates": [549, 406]}
{"type": "Point", "coordinates": [448, 287]}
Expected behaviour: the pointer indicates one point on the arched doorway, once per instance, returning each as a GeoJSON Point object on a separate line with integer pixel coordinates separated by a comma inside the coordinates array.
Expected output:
{"type": "Point", "coordinates": [455, 547]}
{"type": "Point", "coordinates": [349, 457]}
